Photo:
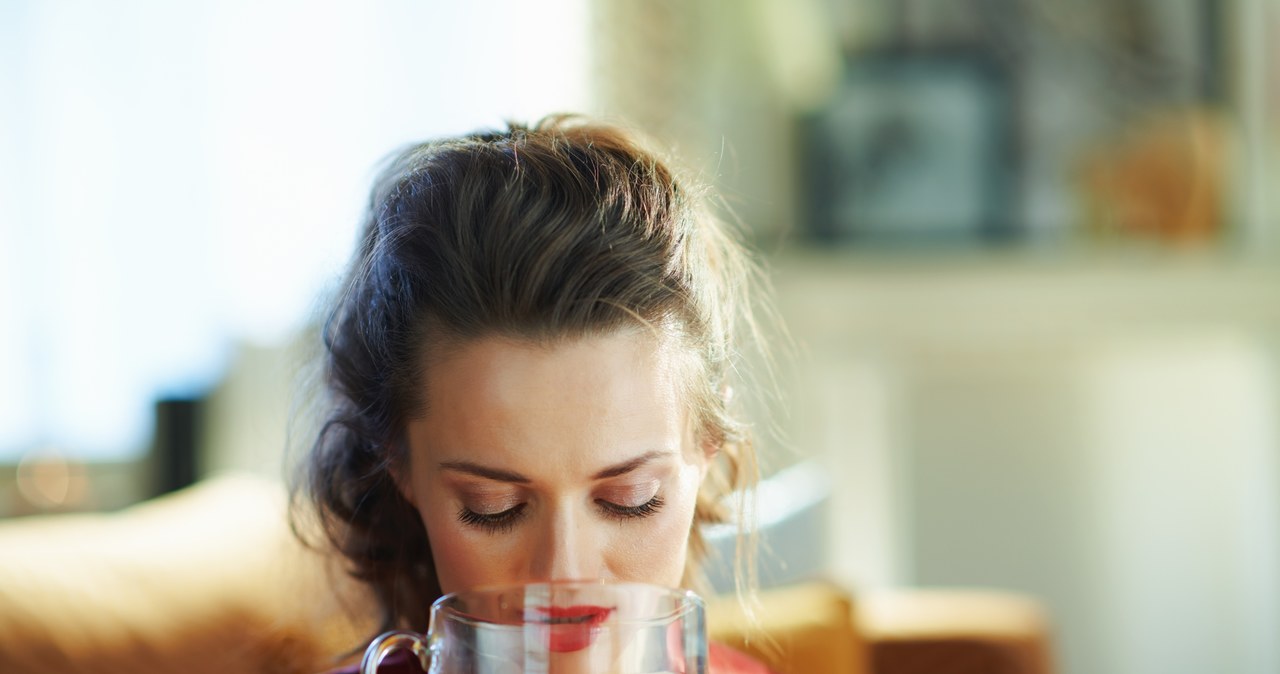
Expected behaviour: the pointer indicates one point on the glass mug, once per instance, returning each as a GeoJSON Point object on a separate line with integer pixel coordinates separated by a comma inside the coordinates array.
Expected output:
{"type": "Point", "coordinates": [559, 627]}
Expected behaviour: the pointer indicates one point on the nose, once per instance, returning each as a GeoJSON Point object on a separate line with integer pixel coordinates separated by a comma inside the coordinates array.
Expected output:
{"type": "Point", "coordinates": [567, 549]}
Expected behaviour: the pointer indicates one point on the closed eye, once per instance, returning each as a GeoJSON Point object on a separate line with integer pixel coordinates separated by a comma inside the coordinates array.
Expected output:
{"type": "Point", "coordinates": [492, 522]}
{"type": "Point", "coordinates": [621, 512]}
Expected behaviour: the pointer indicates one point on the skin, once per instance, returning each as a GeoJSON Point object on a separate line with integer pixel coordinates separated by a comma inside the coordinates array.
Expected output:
{"type": "Point", "coordinates": [574, 461]}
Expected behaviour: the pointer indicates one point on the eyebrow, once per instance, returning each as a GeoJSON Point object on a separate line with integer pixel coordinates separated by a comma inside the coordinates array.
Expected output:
{"type": "Point", "coordinates": [509, 476]}
{"type": "Point", "coordinates": [628, 466]}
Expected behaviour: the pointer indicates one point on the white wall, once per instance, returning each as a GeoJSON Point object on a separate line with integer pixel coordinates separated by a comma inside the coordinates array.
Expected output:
{"type": "Point", "coordinates": [1100, 433]}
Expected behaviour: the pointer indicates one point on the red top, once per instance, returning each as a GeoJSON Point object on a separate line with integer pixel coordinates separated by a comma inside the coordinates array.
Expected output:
{"type": "Point", "coordinates": [722, 660]}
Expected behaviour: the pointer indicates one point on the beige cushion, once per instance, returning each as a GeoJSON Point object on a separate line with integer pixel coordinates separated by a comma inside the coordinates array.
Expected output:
{"type": "Point", "coordinates": [205, 580]}
{"type": "Point", "coordinates": [800, 629]}
{"type": "Point", "coordinates": [944, 630]}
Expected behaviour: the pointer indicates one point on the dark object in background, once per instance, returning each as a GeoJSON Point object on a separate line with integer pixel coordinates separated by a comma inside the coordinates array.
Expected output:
{"type": "Point", "coordinates": [915, 147]}
{"type": "Point", "coordinates": [176, 445]}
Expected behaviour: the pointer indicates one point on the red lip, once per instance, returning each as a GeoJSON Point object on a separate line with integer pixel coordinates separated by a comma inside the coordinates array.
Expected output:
{"type": "Point", "coordinates": [570, 628]}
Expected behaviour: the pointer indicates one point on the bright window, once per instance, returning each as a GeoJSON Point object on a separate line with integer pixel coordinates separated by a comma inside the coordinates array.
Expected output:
{"type": "Point", "coordinates": [178, 178]}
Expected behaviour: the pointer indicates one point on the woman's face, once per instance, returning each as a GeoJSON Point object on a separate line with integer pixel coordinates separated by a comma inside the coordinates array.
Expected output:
{"type": "Point", "coordinates": [570, 461]}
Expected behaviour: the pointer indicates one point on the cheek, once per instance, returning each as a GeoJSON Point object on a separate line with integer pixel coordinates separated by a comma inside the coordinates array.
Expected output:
{"type": "Point", "coordinates": [462, 559]}
{"type": "Point", "coordinates": [655, 551]}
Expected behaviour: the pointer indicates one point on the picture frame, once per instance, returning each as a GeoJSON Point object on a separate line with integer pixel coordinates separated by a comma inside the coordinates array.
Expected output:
{"type": "Point", "coordinates": [915, 147]}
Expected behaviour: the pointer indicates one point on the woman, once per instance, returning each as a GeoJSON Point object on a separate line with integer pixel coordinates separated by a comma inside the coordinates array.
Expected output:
{"type": "Point", "coordinates": [529, 370]}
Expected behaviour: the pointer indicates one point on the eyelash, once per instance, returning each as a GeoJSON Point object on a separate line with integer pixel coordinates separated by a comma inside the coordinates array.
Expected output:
{"type": "Point", "coordinates": [506, 520]}
{"type": "Point", "coordinates": [493, 523]}
{"type": "Point", "coordinates": [622, 513]}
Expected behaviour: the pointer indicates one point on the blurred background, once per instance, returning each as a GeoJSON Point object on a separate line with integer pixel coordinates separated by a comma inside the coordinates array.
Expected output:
{"type": "Point", "coordinates": [1026, 250]}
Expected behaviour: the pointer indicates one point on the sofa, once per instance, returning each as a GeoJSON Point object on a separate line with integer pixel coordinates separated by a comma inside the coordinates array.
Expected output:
{"type": "Point", "coordinates": [211, 579]}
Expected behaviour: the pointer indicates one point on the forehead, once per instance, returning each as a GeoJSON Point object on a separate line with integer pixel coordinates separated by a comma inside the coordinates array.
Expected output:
{"type": "Point", "coordinates": [572, 405]}
{"type": "Point", "coordinates": [501, 369]}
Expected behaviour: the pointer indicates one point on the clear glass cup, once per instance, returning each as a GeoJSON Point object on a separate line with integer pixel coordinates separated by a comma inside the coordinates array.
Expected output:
{"type": "Point", "coordinates": [562, 627]}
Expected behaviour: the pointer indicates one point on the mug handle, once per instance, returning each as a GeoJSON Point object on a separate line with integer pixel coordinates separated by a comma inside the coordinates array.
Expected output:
{"type": "Point", "coordinates": [390, 641]}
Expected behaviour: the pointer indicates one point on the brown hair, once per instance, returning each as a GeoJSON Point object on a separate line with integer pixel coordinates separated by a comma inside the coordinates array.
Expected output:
{"type": "Point", "coordinates": [560, 230]}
